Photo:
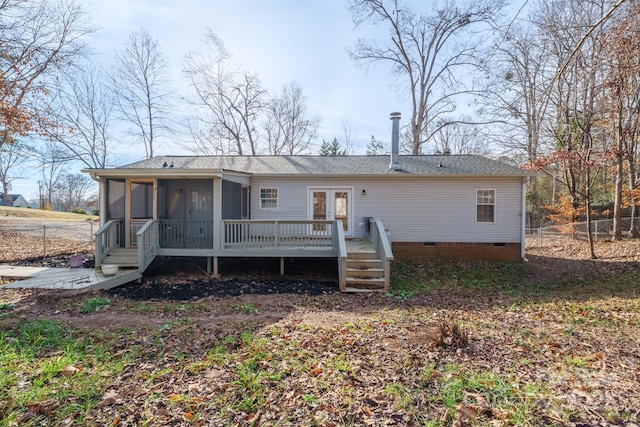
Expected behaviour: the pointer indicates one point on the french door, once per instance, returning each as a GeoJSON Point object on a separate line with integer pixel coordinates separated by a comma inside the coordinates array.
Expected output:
{"type": "Point", "coordinates": [331, 204]}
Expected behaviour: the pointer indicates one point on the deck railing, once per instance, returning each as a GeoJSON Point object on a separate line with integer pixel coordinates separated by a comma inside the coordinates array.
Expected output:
{"type": "Point", "coordinates": [147, 239]}
{"type": "Point", "coordinates": [382, 246]}
{"type": "Point", "coordinates": [257, 234]}
{"type": "Point", "coordinates": [339, 242]}
{"type": "Point", "coordinates": [107, 238]}
{"type": "Point", "coordinates": [178, 233]}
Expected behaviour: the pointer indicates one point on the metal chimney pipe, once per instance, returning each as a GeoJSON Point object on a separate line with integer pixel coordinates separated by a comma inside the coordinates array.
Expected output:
{"type": "Point", "coordinates": [395, 141]}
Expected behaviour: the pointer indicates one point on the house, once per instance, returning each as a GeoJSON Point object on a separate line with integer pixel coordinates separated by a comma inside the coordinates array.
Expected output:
{"type": "Point", "coordinates": [15, 200]}
{"type": "Point", "coordinates": [408, 207]}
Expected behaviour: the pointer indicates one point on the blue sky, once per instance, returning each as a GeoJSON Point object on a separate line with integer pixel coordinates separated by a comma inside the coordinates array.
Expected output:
{"type": "Point", "coordinates": [279, 40]}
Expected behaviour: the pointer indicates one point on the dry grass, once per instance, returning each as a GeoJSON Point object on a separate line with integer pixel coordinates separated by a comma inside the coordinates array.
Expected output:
{"type": "Point", "coordinates": [6, 211]}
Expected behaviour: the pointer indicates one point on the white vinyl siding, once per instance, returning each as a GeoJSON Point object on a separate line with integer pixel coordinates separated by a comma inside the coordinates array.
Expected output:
{"type": "Point", "coordinates": [413, 210]}
{"type": "Point", "coordinates": [269, 198]}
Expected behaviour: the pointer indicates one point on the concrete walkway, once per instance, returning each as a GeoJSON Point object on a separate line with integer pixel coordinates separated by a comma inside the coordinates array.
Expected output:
{"type": "Point", "coordinates": [63, 278]}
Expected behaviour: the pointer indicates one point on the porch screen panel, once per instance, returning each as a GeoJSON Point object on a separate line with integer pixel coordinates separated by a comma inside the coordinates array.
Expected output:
{"type": "Point", "coordinates": [200, 223]}
{"type": "Point", "coordinates": [246, 209]}
{"type": "Point", "coordinates": [231, 200]}
{"type": "Point", "coordinates": [115, 199]}
{"type": "Point", "coordinates": [175, 200]}
{"type": "Point", "coordinates": [141, 200]}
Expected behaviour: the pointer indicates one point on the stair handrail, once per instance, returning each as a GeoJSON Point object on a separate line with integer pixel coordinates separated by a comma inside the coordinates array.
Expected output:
{"type": "Point", "coordinates": [147, 239]}
{"type": "Point", "coordinates": [341, 246]}
{"type": "Point", "coordinates": [382, 246]}
{"type": "Point", "coordinates": [106, 239]}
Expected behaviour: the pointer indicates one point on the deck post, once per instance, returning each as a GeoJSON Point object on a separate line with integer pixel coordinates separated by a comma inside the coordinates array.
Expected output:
{"type": "Point", "coordinates": [282, 266]}
{"type": "Point", "coordinates": [216, 273]}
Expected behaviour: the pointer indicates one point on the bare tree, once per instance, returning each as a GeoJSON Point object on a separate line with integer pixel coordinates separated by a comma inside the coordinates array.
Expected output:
{"type": "Point", "coordinates": [575, 97]}
{"type": "Point", "coordinates": [429, 54]}
{"type": "Point", "coordinates": [141, 81]}
{"type": "Point", "coordinates": [84, 107]}
{"type": "Point", "coordinates": [458, 138]}
{"type": "Point", "coordinates": [622, 84]}
{"type": "Point", "coordinates": [12, 156]}
{"type": "Point", "coordinates": [38, 40]}
{"type": "Point", "coordinates": [288, 127]}
{"type": "Point", "coordinates": [229, 100]}
{"type": "Point", "coordinates": [52, 160]}
{"type": "Point", "coordinates": [516, 91]}
{"type": "Point", "coordinates": [349, 135]}
{"type": "Point", "coordinates": [70, 191]}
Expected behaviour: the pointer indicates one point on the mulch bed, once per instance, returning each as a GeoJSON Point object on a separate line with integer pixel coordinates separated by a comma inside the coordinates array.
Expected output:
{"type": "Point", "coordinates": [186, 278]}
{"type": "Point", "coordinates": [183, 279]}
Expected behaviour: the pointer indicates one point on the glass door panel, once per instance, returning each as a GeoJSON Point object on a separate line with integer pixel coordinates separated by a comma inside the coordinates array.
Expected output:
{"type": "Point", "coordinates": [331, 204]}
{"type": "Point", "coordinates": [341, 209]}
{"type": "Point", "coordinates": [319, 199]}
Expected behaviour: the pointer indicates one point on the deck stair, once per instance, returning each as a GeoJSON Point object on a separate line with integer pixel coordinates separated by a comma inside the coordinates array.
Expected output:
{"type": "Point", "coordinates": [365, 271]}
{"type": "Point", "coordinates": [123, 257]}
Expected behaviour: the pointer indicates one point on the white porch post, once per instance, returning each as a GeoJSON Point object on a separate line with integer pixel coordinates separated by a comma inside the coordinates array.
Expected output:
{"type": "Point", "coordinates": [127, 212]}
{"type": "Point", "coordinates": [218, 232]}
{"type": "Point", "coordinates": [104, 207]}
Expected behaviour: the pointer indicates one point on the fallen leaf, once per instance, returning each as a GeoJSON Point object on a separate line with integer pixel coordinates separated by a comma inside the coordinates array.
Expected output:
{"type": "Point", "coordinates": [315, 372]}
{"type": "Point", "coordinates": [109, 398]}
{"type": "Point", "coordinates": [467, 412]}
{"type": "Point", "coordinates": [70, 370]}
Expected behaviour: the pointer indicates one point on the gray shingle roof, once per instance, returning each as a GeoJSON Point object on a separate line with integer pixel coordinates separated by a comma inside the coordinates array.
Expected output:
{"type": "Point", "coordinates": [335, 165]}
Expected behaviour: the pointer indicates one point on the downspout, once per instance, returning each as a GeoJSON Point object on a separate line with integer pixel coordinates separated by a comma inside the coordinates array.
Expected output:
{"type": "Point", "coordinates": [102, 195]}
{"type": "Point", "coordinates": [523, 210]}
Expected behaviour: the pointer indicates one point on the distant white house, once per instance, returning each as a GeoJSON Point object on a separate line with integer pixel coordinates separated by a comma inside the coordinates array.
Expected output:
{"type": "Point", "coordinates": [15, 200]}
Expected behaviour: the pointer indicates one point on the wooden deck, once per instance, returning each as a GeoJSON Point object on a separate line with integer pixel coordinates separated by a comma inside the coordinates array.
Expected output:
{"type": "Point", "coordinates": [363, 265]}
{"type": "Point", "coordinates": [64, 278]}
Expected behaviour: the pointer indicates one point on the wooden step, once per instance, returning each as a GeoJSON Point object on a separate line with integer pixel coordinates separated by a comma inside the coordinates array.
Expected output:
{"type": "Point", "coordinates": [363, 262]}
{"type": "Point", "coordinates": [123, 257]}
{"type": "Point", "coordinates": [121, 262]}
{"type": "Point", "coordinates": [362, 255]}
{"type": "Point", "coordinates": [365, 272]}
{"type": "Point", "coordinates": [366, 283]}
{"type": "Point", "coordinates": [354, 290]}
{"type": "Point", "coordinates": [124, 251]}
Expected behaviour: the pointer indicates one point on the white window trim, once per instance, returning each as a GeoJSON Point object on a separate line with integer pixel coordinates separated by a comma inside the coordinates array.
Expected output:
{"type": "Point", "coordinates": [261, 199]}
{"type": "Point", "coordinates": [495, 203]}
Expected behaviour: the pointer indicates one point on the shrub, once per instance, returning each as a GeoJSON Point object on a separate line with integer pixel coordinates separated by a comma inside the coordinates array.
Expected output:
{"type": "Point", "coordinates": [79, 210]}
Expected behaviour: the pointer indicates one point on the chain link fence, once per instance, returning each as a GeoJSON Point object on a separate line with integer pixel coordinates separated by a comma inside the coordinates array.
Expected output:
{"type": "Point", "coordinates": [31, 239]}
{"type": "Point", "coordinates": [558, 234]}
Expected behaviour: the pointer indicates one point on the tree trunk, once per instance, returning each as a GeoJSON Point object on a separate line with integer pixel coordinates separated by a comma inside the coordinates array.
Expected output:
{"type": "Point", "coordinates": [633, 185]}
{"type": "Point", "coordinates": [617, 204]}
{"type": "Point", "coordinates": [592, 251]}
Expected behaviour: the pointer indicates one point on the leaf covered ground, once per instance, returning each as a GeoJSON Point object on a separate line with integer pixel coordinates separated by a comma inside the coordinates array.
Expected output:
{"type": "Point", "coordinates": [551, 342]}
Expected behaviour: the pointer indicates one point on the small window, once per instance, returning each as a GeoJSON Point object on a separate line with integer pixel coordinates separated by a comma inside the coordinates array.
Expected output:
{"type": "Point", "coordinates": [268, 198]}
{"type": "Point", "coordinates": [485, 205]}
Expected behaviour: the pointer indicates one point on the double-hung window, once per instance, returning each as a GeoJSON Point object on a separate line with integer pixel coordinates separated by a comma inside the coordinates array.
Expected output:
{"type": "Point", "coordinates": [268, 198]}
{"type": "Point", "coordinates": [485, 205]}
